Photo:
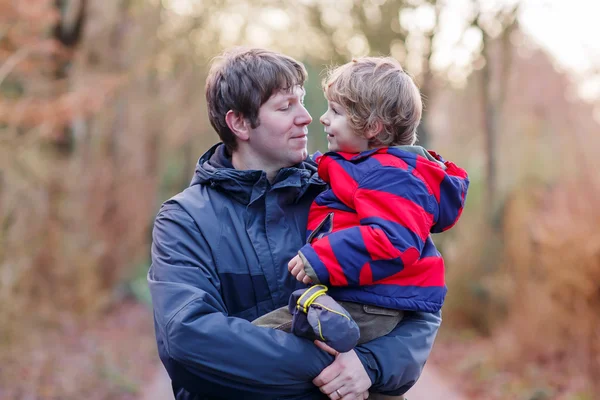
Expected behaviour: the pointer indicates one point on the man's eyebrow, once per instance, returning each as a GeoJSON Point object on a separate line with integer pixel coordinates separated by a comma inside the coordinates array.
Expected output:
{"type": "Point", "coordinates": [292, 96]}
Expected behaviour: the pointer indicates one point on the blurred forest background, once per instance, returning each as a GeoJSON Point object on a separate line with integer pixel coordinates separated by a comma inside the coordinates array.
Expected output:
{"type": "Point", "coordinates": [102, 118]}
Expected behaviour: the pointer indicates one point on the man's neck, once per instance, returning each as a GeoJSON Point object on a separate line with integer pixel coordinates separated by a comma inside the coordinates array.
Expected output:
{"type": "Point", "coordinates": [243, 162]}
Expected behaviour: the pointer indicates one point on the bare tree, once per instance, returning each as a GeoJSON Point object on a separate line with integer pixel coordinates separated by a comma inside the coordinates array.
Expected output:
{"type": "Point", "coordinates": [496, 50]}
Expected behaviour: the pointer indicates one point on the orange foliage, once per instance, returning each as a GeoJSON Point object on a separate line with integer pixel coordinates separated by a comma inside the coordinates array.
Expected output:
{"type": "Point", "coordinates": [60, 110]}
{"type": "Point", "coordinates": [80, 161]}
{"type": "Point", "coordinates": [537, 295]}
{"type": "Point", "coordinates": [554, 313]}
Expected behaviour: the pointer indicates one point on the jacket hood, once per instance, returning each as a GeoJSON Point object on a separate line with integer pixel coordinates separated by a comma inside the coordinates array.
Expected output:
{"type": "Point", "coordinates": [215, 169]}
{"type": "Point", "coordinates": [448, 182]}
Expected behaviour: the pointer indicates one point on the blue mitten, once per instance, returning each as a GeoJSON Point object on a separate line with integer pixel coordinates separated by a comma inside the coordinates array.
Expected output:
{"type": "Point", "coordinates": [318, 316]}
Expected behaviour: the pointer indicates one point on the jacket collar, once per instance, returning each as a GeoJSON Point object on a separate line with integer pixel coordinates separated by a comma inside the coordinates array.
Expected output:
{"type": "Point", "coordinates": [215, 169]}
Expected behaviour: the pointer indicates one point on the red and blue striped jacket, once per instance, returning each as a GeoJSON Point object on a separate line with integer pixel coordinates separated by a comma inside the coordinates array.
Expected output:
{"type": "Point", "coordinates": [369, 234]}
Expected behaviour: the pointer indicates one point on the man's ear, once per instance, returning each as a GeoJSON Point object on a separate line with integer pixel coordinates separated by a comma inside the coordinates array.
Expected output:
{"type": "Point", "coordinates": [374, 129]}
{"type": "Point", "coordinates": [238, 125]}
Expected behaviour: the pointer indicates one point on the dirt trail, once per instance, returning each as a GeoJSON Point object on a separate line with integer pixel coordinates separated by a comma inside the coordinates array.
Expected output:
{"type": "Point", "coordinates": [431, 386]}
{"type": "Point", "coordinates": [159, 388]}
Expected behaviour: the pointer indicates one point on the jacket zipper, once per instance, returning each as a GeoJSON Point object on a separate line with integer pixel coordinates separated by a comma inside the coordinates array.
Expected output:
{"type": "Point", "coordinates": [318, 228]}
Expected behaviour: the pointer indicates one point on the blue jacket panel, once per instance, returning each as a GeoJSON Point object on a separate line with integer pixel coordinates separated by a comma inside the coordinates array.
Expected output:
{"type": "Point", "coordinates": [219, 260]}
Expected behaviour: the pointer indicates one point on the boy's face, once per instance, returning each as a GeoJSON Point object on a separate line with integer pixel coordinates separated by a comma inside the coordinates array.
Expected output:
{"type": "Point", "coordinates": [280, 139]}
{"type": "Point", "coordinates": [340, 136]}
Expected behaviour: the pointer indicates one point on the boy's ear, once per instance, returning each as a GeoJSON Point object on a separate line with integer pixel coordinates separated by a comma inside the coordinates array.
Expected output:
{"type": "Point", "coordinates": [374, 129]}
{"type": "Point", "coordinates": [238, 125]}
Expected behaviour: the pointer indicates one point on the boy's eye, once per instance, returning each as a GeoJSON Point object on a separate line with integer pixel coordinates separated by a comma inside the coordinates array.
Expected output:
{"type": "Point", "coordinates": [334, 110]}
{"type": "Point", "coordinates": [285, 107]}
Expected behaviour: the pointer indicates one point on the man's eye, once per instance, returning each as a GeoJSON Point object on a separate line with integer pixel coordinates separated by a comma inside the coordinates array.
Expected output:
{"type": "Point", "coordinates": [335, 111]}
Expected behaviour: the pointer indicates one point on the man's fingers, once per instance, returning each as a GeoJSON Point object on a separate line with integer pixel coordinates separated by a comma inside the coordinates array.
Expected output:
{"type": "Point", "coordinates": [306, 280]}
{"type": "Point", "coordinates": [354, 396]}
{"type": "Point", "coordinates": [329, 373]}
{"type": "Point", "coordinates": [347, 396]}
{"type": "Point", "coordinates": [326, 376]}
{"type": "Point", "coordinates": [339, 383]}
{"type": "Point", "coordinates": [326, 348]}
{"type": "Point", "coordinates": [346, 374]}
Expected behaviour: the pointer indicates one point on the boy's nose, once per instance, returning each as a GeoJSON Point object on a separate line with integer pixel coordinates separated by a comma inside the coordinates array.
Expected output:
{"type": "Point", "coordinates": [324, 120]}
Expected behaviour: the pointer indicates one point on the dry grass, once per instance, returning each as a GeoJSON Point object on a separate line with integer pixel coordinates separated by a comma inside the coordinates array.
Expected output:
{"type": "Point", "coordinates": [538, 308]}
{"type": "Point", "coordinates": [555, 305]}
{"type": "Point", "coordinates": [538, 303]}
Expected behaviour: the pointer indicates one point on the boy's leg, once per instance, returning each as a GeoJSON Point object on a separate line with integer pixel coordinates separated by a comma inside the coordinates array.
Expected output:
{"type": "Point", "coordinates": [278, 319]}
{"type": "Point", "coordinates": [372, 321]}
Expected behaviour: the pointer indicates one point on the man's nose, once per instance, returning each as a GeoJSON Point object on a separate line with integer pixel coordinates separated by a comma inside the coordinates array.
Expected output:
{"type": "Point", "coordinates": [304, 117]}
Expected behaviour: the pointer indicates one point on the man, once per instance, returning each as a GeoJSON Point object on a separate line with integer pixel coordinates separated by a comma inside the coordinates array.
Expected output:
{"type": "Point", "coordinates": [221, 247]}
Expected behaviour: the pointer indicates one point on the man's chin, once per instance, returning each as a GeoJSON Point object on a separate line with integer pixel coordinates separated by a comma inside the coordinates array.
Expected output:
{"type": "Point", "coordinates": [301, 156]}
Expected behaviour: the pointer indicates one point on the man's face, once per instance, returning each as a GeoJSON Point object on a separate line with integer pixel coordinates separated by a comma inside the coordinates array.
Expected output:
{"type": "Point", "coordinates": [280, 139]}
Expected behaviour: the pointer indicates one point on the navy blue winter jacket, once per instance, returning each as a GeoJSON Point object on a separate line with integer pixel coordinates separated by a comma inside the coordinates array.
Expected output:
{"type": "Point", "coordinates": [219, 260]}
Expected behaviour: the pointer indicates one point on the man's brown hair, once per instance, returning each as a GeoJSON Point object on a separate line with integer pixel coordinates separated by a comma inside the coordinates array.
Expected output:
{"type": "Point", "coordinates": [377, 90]}
{"type": "Point", "coordinates": [242, 80]}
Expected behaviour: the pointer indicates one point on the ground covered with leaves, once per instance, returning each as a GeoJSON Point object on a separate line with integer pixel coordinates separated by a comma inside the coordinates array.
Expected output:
{"type": "Point", "coordinates": [473, 364]}
{"type": "Point", "coordinates": [112, 357]}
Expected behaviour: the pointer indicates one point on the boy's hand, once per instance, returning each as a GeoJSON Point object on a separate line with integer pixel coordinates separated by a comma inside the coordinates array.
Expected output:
{"type": "Point", "coordinates": [296, 268]}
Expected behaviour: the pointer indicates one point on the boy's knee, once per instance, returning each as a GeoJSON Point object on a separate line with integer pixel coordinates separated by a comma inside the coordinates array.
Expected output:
{"type": "Point", "coordinates": [278, 319]}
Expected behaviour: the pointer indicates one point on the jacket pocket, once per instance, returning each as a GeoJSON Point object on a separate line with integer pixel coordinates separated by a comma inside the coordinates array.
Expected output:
{"type": "Point", "coordinates": [374, 310]}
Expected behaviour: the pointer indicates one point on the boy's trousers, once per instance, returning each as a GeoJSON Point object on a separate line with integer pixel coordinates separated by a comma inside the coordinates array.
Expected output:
{"type": "Point", "coordinates": [372, 321]}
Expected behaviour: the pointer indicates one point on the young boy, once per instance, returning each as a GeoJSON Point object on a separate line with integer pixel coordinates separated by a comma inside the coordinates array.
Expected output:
{"type": "Point", "coordinates": [369, 239]}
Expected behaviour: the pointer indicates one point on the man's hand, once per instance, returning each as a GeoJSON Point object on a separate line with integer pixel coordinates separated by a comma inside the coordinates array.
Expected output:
{"type": "Point", "coordinates": [296, 268]}
{"type": "Point", "coordinates": [345, 378]}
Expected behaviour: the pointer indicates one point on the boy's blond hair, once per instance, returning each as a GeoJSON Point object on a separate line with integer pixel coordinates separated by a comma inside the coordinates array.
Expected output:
{"type": "Point", "coordinates": [376, 90]}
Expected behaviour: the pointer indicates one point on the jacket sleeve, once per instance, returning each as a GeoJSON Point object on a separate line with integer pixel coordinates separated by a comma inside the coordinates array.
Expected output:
{"type": "Point", "coordinates": [395, 362]}
{"type": "Point", "coordinates": [396, 211]}
{"type": "Point", "coordinates": [204, 349]}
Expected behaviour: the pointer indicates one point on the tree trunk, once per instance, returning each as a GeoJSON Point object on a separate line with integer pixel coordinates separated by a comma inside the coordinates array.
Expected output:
{"type": "Point", "coordinates": [490, 119]}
